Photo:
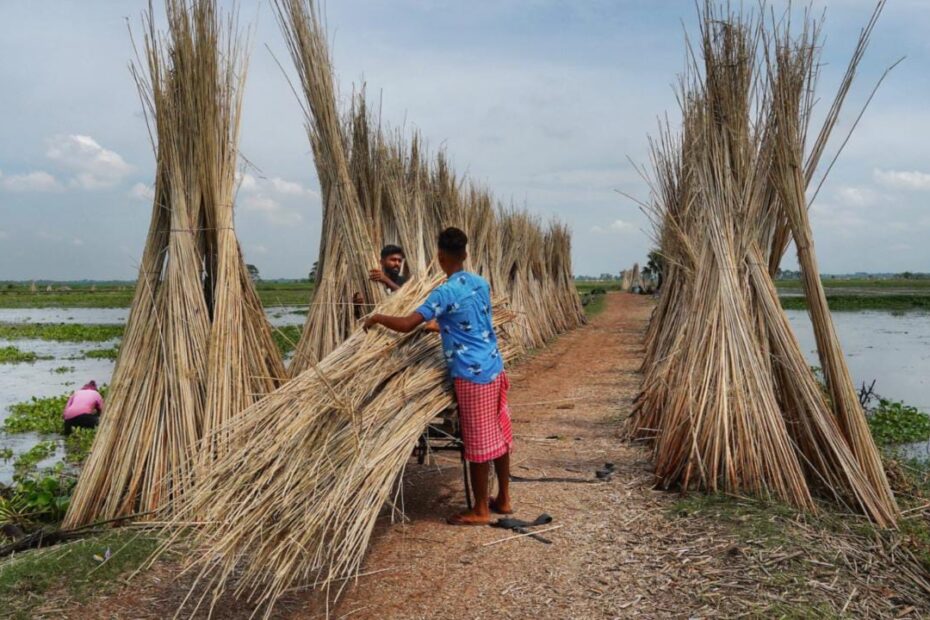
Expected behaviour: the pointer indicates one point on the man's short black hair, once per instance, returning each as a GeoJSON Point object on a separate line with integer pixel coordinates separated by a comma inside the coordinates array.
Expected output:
{"type": "Point", "coordinates": [391, 249]}
{"type": "Point", "coordinates": [453, 241]}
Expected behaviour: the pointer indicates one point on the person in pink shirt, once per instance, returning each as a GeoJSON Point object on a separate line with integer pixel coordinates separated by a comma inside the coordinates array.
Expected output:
{"type": "Point", "coordinates": [83, 409]}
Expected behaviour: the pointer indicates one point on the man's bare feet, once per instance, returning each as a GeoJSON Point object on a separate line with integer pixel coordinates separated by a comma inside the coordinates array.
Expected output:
{"type": "Point", "coordinates": [469, 517]}
{"type": "Point", "coordinates": [501, 506]}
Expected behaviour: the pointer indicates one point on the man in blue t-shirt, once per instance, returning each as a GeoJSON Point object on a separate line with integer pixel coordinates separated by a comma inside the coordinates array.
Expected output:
{"type": "Point", "coordinates": [461, 308]}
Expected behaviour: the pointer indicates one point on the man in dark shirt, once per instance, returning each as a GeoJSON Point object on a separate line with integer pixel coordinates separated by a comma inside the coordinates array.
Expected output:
{"type": "Point", "coordinates": [392, 265]}
{"type": "Point", "coordinates": [390, 274]}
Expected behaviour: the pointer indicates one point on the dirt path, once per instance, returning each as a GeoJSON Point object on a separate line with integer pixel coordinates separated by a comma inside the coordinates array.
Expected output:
{"type": "Point", "coordinates": [587, 379]}
{"type": "Point", "coordinates": [622, 549]}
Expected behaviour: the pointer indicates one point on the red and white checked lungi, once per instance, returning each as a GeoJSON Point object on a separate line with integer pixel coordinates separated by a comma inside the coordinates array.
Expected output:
{"type": "Point", "coordinates": [484, 418]}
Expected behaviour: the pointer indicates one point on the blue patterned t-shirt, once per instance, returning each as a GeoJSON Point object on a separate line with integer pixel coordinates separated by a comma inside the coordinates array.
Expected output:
{"type": "Point", "coordinates": [462, 307]}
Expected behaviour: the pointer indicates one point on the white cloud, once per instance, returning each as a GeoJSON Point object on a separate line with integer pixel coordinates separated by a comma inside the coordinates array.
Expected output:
{"type": "Point", "coordinates": [4, 234]}
{"type": "Point", "coordinates": [271, 210]}
{"type": "Point", "coordinates": [258, 249]}
{"type": "Point", "coordinates": [38, 181]}
{"type": "Point", "coordinates": [77, 242]}
{"type": "Point", "coordinates": [903, 179]}
{"type": "Point", "coordinates": [251, 184]}
{"type": "Point", "coordinates": [287, 187]}
{"type": "Point", "coordinates": [142, 191]}
{"type": "Point", "coordinates": [94, 166]}
{"type": "Point", "coordinates": [617, 226]}
{"type": "Point", "coordinates": [247, 182]}
{"type": "Point", "coordinates": [856, 196]}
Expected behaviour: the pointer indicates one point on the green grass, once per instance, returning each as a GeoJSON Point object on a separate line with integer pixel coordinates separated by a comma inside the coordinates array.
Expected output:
{"type": "Point", "coordinates": [73, 571]}
{"type": "Point", "coordinates": [119, 295]}
{"type": "Point", "coordinates": [60, 332]}
{"type": "Point", "coordinates": [15, 355]}
{"type": "Point", "coordinates": [829, 283]}
{"type": "Point", "coordinates": [595, 305]}
{"type": "Point", "coordinates": [586, 286]}
{"type": "Point", "coordinates": [853, 303]}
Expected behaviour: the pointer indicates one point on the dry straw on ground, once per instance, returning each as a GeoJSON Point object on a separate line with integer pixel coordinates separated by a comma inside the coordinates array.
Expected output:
{"type": "Point", "coordinates": [197, 347]}
{"type": "Point", "coordinates": [728, 397]}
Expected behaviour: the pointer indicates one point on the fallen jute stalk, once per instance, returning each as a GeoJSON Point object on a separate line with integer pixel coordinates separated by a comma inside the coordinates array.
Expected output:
{"type": "Point", "coordinates": [314, 463]}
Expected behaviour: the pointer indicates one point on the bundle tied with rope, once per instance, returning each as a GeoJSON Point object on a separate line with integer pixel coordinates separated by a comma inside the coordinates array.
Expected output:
{"type": "Point", "coordinates": [197, 348]}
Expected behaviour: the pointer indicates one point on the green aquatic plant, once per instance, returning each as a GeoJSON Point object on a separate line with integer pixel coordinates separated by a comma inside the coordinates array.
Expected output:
{"type": "Point", "coordinates": [61, 332]}
{"type": "Point", "coordinates": [26, 463]}
{"type": "Point", "coordinates": [78, 444]}
{"type": "Point", "coordinates": [893, 422]}
{"type": "Point", "coordinates": [286, 337]}
{"type": "Point", "coordinates": [102, 354]}
{"type": "Point", "coordinates": [15, 355]}
{"type": "Point", "coordinates": [39, 415]}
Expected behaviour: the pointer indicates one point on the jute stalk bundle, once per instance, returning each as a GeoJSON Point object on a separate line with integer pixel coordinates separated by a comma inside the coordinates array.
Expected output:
{"type": "Point", "coordinates": [380, 189]}
{"type": "Point", "coordinates": [347, 250]}
{"type": "Point", "coordinates": [727, 395]}
{"type": "Point", "coordinates": [197, 347]}
{"type": "Point", "coordinates": [296, 504]}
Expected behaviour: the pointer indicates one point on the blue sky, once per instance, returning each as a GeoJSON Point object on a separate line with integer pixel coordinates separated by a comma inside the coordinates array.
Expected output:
{"type": "Point", "coordinates": [542, 100]}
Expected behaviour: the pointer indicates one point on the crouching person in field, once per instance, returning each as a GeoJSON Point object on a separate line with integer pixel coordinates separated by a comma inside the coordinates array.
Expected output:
{"type": "Point", "coordinates": [461, 307]}
{"type": "Point", "coordinates": [83, 408]}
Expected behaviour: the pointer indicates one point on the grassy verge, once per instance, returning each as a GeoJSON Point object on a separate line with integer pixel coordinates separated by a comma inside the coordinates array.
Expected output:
{"type": "Point", "coordinates": [120, 296]}
{"type": "Point", "coordinates": [853, 303]}
{"type": "Point", "coordinates": [60, 332]}
{"type": "Point", "coordinates": [72, 572]}
{"type": "Point", "coordinates": [839, 283]}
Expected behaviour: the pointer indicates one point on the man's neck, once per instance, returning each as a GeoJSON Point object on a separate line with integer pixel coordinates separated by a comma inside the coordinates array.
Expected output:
{"type": "Point", "coordinates": [455, 270]}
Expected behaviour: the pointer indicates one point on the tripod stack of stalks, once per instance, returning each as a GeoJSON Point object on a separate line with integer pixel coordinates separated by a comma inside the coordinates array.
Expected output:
{"type": "Point", "coordinates": [728, 398]}
{"type": "Point", "coordinates": [197, 348]}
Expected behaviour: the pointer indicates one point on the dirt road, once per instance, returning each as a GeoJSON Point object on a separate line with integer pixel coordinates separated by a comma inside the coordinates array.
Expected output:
{"type": "Point", "coordinates": [621, 548]}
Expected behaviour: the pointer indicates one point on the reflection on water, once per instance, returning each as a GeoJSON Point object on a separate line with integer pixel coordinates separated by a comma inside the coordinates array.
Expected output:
{"type": "Point", "coordinates": [892, 349]}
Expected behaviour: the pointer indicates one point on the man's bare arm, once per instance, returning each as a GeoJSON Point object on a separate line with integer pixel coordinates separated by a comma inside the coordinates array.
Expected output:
{"type": "Point", "coordinates": [402, 324]}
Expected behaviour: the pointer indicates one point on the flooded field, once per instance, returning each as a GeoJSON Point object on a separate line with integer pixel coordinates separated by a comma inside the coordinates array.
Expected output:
{"type": "Point", "coordinates": [67, 369]}
{"type": "Point", "coordinates": [893, 349]}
